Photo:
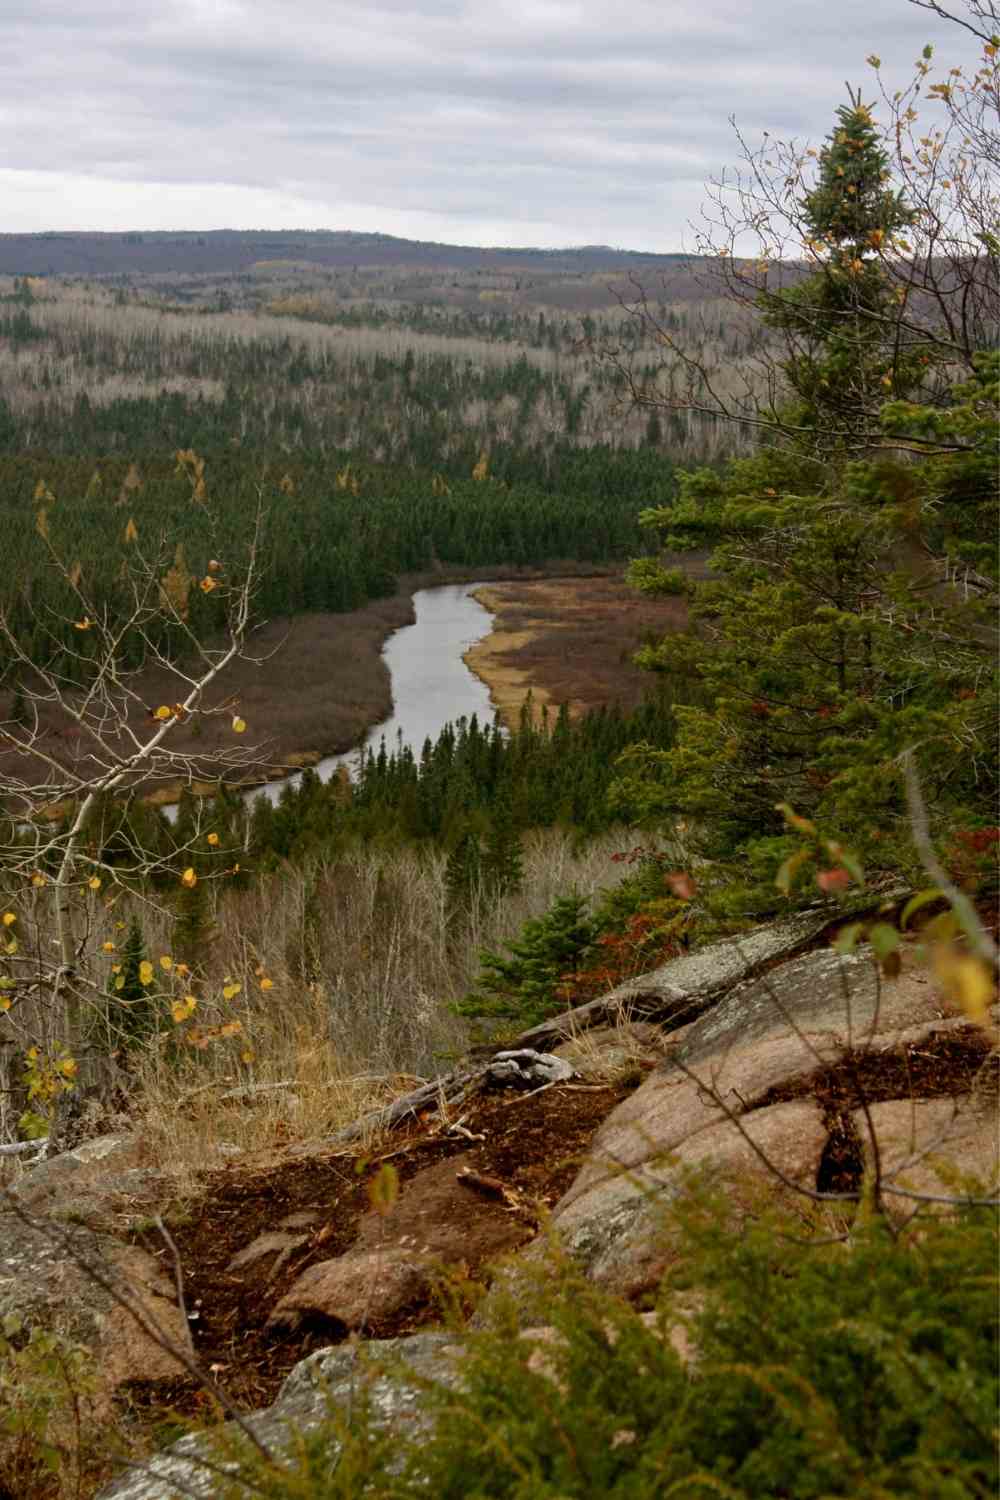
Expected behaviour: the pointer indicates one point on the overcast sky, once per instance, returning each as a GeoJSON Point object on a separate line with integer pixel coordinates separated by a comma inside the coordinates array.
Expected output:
{"type": "Point", "coordinates": [497, 122]}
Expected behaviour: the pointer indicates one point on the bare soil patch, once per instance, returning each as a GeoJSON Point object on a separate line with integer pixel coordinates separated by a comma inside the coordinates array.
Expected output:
{"type": "Point", "coordinates": [946, 1064]}
{"type": "Point", "coordinates": [532, 1146]}
{"type": "Point", "coordinates": [568, 640]}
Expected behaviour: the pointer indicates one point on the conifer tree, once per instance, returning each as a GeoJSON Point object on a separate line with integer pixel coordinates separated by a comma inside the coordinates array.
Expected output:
{"type": "Point", "coordinates": [192, 921]}
{"type": "Point", "coordinates": [844, 625]}
{"type": "Point", "coordinates": [842, 350]}
{"type": "Point", "coordinates": [526, 985]}
{"type": "Point", "coordinates": [463, 871]}
{"type": "Point", "coordinates": [131, 1010]}
{"type": "Point", "coordinates": [502, 860]}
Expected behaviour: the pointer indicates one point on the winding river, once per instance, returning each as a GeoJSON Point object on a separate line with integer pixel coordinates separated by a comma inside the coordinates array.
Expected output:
{"type": "Point", "coordinates": [431, 685]}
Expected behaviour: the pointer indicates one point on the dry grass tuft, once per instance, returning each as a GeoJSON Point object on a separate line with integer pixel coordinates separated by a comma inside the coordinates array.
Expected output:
{"type": "Point", "coordinates": [363, 963]}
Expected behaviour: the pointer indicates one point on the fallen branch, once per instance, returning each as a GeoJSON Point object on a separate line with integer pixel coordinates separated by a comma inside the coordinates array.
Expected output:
{"type": "Point", "coordinates": [19, 1147]}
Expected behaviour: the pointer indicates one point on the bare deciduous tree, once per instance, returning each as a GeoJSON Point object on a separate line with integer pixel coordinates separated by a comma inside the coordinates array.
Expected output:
{"type": "Point", "coordinates": [80, 750]}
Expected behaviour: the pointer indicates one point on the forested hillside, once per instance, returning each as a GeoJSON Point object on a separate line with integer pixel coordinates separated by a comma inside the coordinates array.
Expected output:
{"type": "Point", "coordinates": [761, 898]}
{"type": "Point", "coordinates": [289, 359]}
{"type": "Point", "coordinates": [334, 531]}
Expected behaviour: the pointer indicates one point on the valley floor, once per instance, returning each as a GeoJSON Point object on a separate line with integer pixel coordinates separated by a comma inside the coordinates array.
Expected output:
{"type": "Point", "coordinates": [568, 640]}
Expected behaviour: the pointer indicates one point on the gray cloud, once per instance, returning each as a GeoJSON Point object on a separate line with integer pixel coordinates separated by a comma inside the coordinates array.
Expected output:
{"type": "Point", "coordinates": [507, 121]}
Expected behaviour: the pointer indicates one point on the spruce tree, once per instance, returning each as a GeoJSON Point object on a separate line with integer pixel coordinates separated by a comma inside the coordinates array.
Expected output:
{"type": "Point", "coordinates": [502, 860]}
{"type": "Point", "coordinates": [842, 350]}
{"type": "Point", "coordinates": [526, 984]}
{"type": "Point", "coordinates": [131, 1010]}
{"type": "Point", "coordinates": [831, 638]}
{"type": "Point", "coordinates": [463, 871]}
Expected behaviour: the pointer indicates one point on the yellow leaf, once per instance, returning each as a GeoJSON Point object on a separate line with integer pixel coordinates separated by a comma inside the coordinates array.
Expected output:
{"type": "Point", "coordinates": [181, 1009]}
{"type": "Point", "coordinates": [42, 524]}
{"type": "Point", "coordinates": [230, 991]}
{"type": "Point", "coordinates": [120, 982]}
{"type": "Point", "coordinates": [5, 1004]}
{"type": "Point", "coordinates": [246, 1055]}
{"type": "Point", "coordinates": [116, 968]}
{"type": "Point", "coordinates": [239, 725]}
{"type": "Point", "coordinates": [162, 713]}
{"type": "Point", "coordinates": [38, 878]}
{"type": "Point", "coordinates": [967, 980]}
{"type": "Point", "coordinates": [145, 972]}
{"type": "Point", "coordinates": [213, 839]}
{"type": "Point", "coordinates": [189, 878]}
{"type": "Point", "coordinates": [267, 984]}
{"type": "Point", "coordinates": [9, 918]}
{"type": "Point", "coordinates": [166, 963]}
{"type": "Point", "coordinates": [94, 882]}
{"type": "Point", "coordinates": [67, 1066]}
{"type": "Point", "coordinates": [383, 1189]}
{"type": "Point", "coordinates": [107, 947]}
{"type": "Point", "coordinates": [131, 533]}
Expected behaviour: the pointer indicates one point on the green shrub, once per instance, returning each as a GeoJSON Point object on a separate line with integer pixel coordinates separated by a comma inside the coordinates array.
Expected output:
{"type": "Point", "coordinates": [46, 1437]}
{"type": "Point", "coordinates": [862, 1368]}
{"type": "Point", "coordinates": [526, 985]}
{"type": "Point", "coordinates": [866, 1369]}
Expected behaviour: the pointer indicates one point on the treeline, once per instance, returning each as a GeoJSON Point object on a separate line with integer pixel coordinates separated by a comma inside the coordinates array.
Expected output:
{"type": "Point", "coordinates": [435, 410]}
{"type": "Point", "coordinates": [403, 385]}
{"type": "Point", "coordinates": [336, 533]}
{"type": "Point", "coordinates": [472, 790]}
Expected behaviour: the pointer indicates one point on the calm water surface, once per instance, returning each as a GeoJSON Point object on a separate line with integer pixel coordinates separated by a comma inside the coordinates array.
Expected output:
{"type": "Point", "coordinates": [431, 685]}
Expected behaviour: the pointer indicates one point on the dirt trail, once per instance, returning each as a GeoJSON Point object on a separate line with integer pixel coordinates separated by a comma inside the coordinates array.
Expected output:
{"type": "Point", "coordinates": [533, 1145]}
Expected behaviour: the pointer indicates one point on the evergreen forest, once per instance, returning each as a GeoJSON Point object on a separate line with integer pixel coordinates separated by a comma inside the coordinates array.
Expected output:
{"type": "Point", "coordinates": [791, 440]}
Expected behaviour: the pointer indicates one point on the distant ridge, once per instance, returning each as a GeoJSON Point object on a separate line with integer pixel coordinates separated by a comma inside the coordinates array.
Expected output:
{"type": "Point", "coordinates": [94, 253]}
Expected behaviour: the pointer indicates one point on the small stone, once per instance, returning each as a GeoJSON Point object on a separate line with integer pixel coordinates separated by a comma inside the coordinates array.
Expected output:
{"type": "Point", "coordinates": [276, 1243]}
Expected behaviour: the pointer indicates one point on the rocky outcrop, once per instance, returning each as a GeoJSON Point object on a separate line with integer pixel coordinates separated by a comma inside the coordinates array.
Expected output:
{"type": "Point", "coordinates": [112, 1298]}
{"type": "Point", "coordinates": [707, 1102]}
{"type": "Point", "coordinates": [105, 1183]}
{"type": "Point", "coordinates": [442, 1224]}
{"type": "Point", "coordinates": [393, 1373]}
{"type": "Point", "coordinates": [684, 988]}
{"type": "Point", "coordinates": [750, 1060]}
{"type": "Point", "coordinates": [934, 1148]}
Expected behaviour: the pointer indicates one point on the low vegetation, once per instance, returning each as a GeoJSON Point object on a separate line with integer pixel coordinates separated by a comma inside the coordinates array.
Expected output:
{"type": "Point", "coordinates": [821, 725]}
{"type": "Point", "coordinates": [860, 1369]}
